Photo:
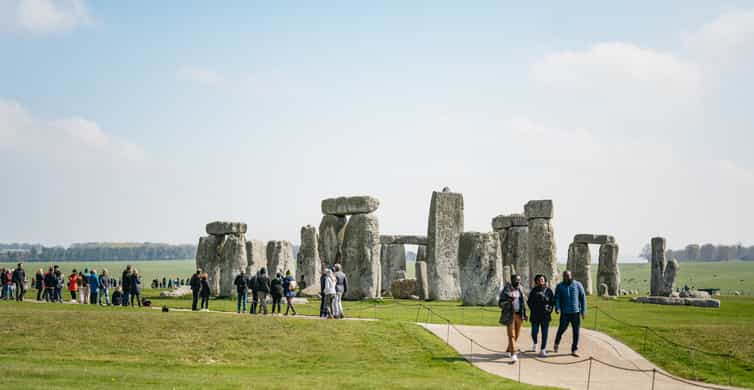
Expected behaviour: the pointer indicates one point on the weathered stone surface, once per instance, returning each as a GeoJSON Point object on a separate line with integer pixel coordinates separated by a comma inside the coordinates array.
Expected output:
{"type": "Point", "coordinates": [403, 288]}
{"type": "Point", "coordinates": [668, 277]}
{"type": "Point", "coordinates": [692, 252]}
{"type": "Point", "coordinates": [361, 257]}
{"type": "Point", "coordinates": [422, 283]}
{"type": "Point", "coordinates": [280, 258]}
{"type": "Point", "coordinates": [219, 228]}
{"type": "Point", "coordinates": [538, 209]}
{"type": "Point", "coordinates": [658, 267]}
{"type": "Point", "coordinates": [256, 256]}
{"type": "Point", "coordinates": [516, 254]}
{"type": "Point", "coordinates": [508, 273]}
{"type": "Point", "coordinates": [608, 271]}
{"type": "Point", "coordinates": [392, 260]}
{"type": "Point", "coordinates": [421, 253]}
{"type": "Point", "coordinates": [580, 264]}
{"type": "Point", "coordinates": [542, 250]}
{"type": "Point", "coordinates": [208, 259]}
{"type": "Point", "coordinates": [505, 221]}
{"type": "Point", "coordinates": [233, 262]}
{"type": "Point", "coordinates": [178, 292]}
{"type": "Point", "coordinates": [603, 290]}
{"type": "Point", "coordinates": [350, 205]}
{"type": "Point", "coordinates": [593, 239]}
{"type": "Point", "coordinates": [699, 302]}
{"type": "Point", "coordinates": [330, 245]}
{"type": "Point", "coordinates": [443, 234]}
{"type": "Point", "coordinates": [308, 265]}
{"type": "Point", "coordinates": [403, 239]}
{"type": "Point", "coordinates": [481, 265]}
{"type": "Point", "coordinates": [694, 294]}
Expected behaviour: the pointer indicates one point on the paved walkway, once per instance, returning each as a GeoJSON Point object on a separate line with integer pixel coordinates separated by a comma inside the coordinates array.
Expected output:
{"type": "Point", "coordinates": [573, 376]}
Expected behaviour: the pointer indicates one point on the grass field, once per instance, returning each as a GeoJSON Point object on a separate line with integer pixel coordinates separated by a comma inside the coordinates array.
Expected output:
{"type": "Point", "coordinates": [149, 269]}
{"type": "Point", "coordinates": [77, 346]}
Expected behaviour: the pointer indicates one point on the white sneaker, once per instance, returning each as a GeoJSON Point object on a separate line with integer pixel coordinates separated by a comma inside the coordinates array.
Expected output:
{"type": "Point", "coordinates": [534, 348]}
{"type": "Point", "coordinates": [543, 353]}
{"type": "Point", "coordinates": [514, 358]}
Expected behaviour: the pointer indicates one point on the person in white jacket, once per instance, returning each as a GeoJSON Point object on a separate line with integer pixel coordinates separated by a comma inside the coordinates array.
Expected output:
{"type": "Point", "coordinates": [329, 293]}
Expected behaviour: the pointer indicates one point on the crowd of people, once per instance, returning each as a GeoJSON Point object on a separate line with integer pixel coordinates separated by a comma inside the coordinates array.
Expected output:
{"type": "Point", "coordinates": [568, 299]}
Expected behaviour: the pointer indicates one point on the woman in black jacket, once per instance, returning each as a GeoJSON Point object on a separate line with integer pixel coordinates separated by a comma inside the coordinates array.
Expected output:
{"type": "Point", "coordinates": [39, 283]}
{"type": "Point", "coordinates": [205, 292]}
{"type": "Point", "coordinates": [276, 290]}
{"type": "Point", "coordinates": [541, 301]}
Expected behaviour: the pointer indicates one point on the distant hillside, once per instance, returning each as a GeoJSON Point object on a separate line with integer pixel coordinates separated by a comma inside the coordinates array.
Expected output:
{"type": "Point", "coordinates": [96, 251]}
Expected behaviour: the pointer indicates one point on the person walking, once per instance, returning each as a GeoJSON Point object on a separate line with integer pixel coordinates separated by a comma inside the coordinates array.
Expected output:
{"type": "Point", "coordinates": [93, 286]}
{"type": "Point", "coordinates": [289, 289]}
{"type": "Point", "coordinates": [512, 303]}
{"type": "Point", "coordinates": [59, 283]}
{"type": "Point", "coordinates": [252, 282]}
{"type": "Point", "coordinates": [6, 276]}
{"type": "Point", "coordinates": [135, 287]}
{"type": "Point", "coordinates": [541, 301]}
{"type": "Point", "coordinates": [341, 287]}
{"type": "Point", "coordinates": [205, 292]}
{"type": "Point", "coordinates": [196, 287]}
{"type": "Point", "coordinates": [73, 285]}
{"type": "Point", "coordinates": [276, 290]}
{"type": "Point", "coordinates": [19, 278]}
{"type": "Point", "coordinates": [263, 289]}
{"type": "Point", "coordinates": [125, 283]}
{"type": "Point", "coordinates": [104, 287]}
{"type": "Point", "coordinates": [329, 293]}
{"type": "Point", "coordinates": [39, 283]}
{"type": "Point", "coordinates": [50, 283]}
{"type": "Point", "coordinates": [570, 302]}
{"type": "Point", "coordinates": [242, 290]}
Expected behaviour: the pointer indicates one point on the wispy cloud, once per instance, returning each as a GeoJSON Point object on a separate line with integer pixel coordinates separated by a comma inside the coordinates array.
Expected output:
{"type": "Point", "coordinates": [44, 16]}
{"type": "Point", "coordinates": [200, 75]}
{"type": "Point", "coordinates": [731, 31]}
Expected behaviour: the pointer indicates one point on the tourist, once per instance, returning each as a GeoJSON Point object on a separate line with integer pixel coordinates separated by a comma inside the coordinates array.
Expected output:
{"type": "Point", "coordinates": [50, 282]}
{"type": "Point", "coordinates": [59, 283]}
{"type": "Point", "coordinates": [289, 289]}
{"type": "Point", "coordinates": [135, 287]}
{"type": "Point", "coordinates": [118, 297]}
{"type": "Point", "coordinates": [39, 283]}
{"type": "Point", "coordinates": [104, 287]}
{"type": "Point", "coordinates": [73, 285]}
{"type": "Point", "coordinates": [322, 282]}
{"type": "Point", "coordinates": [276, 290]}
{"type": "Point", "coordinates": [540, 302]}
{"type": "Point", "coordinates": [93, 286]}
{"type": "Point", "coordinates": [205, 292]}
{"type": "Point", "coordinates": [196, 287]}
{"type": "Point", "coordinates": [341, 287]}
{"type": "Point", "coordinates": [329, 293]}
{"type": "Point", "coordinates": [19, 279]}
{"type": "Point", "coordinates": [85, 286]}
{"type": "Point", "coordinates": [252, 282]}
{"type": "Point", "coordinates": [6, 277]}
{"type": "Point", "coordinates": [80, 282]}
{"type": "Point", "coordinates": [263, 288]}
{"type": "Point", "coordinates": [164, 282]}
{"type": "Point", "coordinates": [242, 290]}
{"type": "Point", "coordinates": [512, 302]}
{"type": "Point", "coordinates": [570, 302]}
{"type": "Point", "coordinates": [125, 283]}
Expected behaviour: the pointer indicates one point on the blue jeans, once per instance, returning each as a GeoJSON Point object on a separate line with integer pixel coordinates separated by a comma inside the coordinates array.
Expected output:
{"type": "Point", "coordinates": [575, 320]}
{"type": "Point", "coordinates": [535, 327]}
{"type": "Point", "coordinates": [243, 299]}
{"type": "Point", "coordinates": [126, 295]}
{"type": "Point", "coordinates": [106, 293]}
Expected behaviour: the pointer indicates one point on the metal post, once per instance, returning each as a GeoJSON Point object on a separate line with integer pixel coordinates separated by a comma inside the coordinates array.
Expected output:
{"type": "Point", "coordinates": [418, 309]}
{"type": "Point", "coordinates": [430, 315]}
{"type": "Point", "coordinates": [463, 310]}
{"type": "Point", "coordinates": [644, 344]}
{"type": "Point", "coordinates": [471, 350]}
{"type": "Point", "coordinates": [519, 370]}
{"type": "Point", "coordinates": [375, 310]}
{"type": "Point", "coordinates": [589, 374]}
{"type": "Point", "coordinates": [730, 375]}
{"type": "Point", "coordinates": [654, 373]}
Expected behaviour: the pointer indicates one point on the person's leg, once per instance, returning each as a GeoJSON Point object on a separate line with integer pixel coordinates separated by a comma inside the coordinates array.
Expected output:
{"type": "Point", "coordinates": [245, 301]}
{"type": "Point", "coordinates": [562, 326]}
{"type": "Point", "coordinates": [545, 325]}
{"type": "Point", "coordinates": [511, 343]}
{"type": "Point", "coordinates": [576, 327]}
{"type": "Point", "coordinates": [59, 293]}
{"type": "Point", "coordinates": [107, 296]}
{"type": "Point", "coordinates": [535, 332]}
{"type": "Point", "coordinates": [517, 322]}
{"type": "Point", "coordinates": [238, 304]}
{"type": "Point", "coordinates": [339, 305]}
{"type": "Point", "coordinates": [321, 304]}
{"type": "Point", "coordinates": [194, 299]}
{"type": "Point", "coordinates": [263, 302]}
{"type": "Point", "coordinates": [94, 299]}
{"type": "Point", "coordinates": [254, 299]}
{"type": "Point", "coordinates": [138, 299]}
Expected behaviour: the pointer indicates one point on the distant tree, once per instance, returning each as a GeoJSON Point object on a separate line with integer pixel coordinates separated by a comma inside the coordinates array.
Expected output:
{"type": "Point", "coordinates": [646, 252]}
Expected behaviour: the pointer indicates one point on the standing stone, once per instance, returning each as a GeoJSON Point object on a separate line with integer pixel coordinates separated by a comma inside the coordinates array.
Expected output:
{"type": "Point", "coordinates": [658, 266]}
{"type": "Point", "coordinates": [331, 230]}
{"type": "Point", "coordinates": [392, 260]}
{"type": "Point", "coordinates": [422, 284]}
{"type": "Point", "coordinates": [517, 248]}
{"type": "Point", "coordinates": [481, 265]}
{"type": "Point", "coordinates": [541, 248]}
{"type": "Point", "coordinates": [233, 262]}
{"type": "Point", "coordinates": [308, 265]}
{"type": "Point", "coordinates": [280, 258]}
{"type": "Point", "coordinates": [256, 256]}
{"type": "Point", "coordinates": [421, 253]}
{"type": "Point", "coordinates": [443, 234]}
{"type": "Point", "coordinates": [580, 264]}
{"type": "Point", "coordinates": [214, 268]}
{"type": "Point", "coordinates": [361, 257]}
{"type": "Point", "coordinates": [668, 277]}
{"type": "Point", "coordinates": [608, 272]}
{"type": "Point", "coordinates": [206, 252]}
{"type": "Point", "coordinates": [692, 252]}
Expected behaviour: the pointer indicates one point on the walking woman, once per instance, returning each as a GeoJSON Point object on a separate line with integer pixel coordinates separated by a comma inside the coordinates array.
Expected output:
{"type": "Point", "coordinates": [205, 292]}
{"type": "Point", "coordinates": [276, 290]}
{"type": "Point", "coordinates": [136, 287]}
{"type": "Point", "coordinates": [73, 285]}
{"type": "Point", "coordinates": [289, 289]}
{"type": "Point", "coordinates": [39, 283]}
{"type": "Point", "coordinates": [513, 313]}
{"type": "Point", "coordinates": [541, 302]}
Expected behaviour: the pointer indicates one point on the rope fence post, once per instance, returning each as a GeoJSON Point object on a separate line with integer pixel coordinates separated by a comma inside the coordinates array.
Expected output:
{"type": "Point", "coordinates": [375, 310]}
{"type": "Point", "coordinates": [447, 340]}
{"type": "Point", "coordinates": [693, 362]}
{"type": "Point", "coordinates": [730, 375]}
{"type": "Point", "coordinates": [519, 369]}
{"type": "Point", "coordinates": [644, 343]}
{"type": "Point", "coordinates": [654, 374]}
{"type": "Point", "coordinates": [596, 310]}
{"type": "Point", "coordinates": [471, 350]}
{"type": "Point", "coordinates": [589, 374]}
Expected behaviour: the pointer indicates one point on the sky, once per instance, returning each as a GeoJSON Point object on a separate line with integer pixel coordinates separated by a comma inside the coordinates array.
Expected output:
{"type": "Point", "coordinates": [143, 121]}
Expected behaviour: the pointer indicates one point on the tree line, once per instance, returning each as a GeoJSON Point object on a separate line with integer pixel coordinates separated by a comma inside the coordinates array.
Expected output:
{"type": "Point", "coordinates": [706, 252]}
{"type": "Point", "coordinates": [96, 251]}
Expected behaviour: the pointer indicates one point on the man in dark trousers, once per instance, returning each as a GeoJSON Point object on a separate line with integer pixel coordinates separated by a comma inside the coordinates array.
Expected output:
{"type": "Point", "coordinates": [570, 302]}
{"type": "Point", "coordinates": [322, 292]}
{"type": "Point", "coordinates": [196, 286]}
{"type": "Point", "coordinates": [252, 284]}
{"type": "Point", "coordinates": [19, 278]}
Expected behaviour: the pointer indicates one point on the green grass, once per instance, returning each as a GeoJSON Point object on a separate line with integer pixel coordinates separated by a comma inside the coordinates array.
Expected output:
{"type": "Point", "coordinates": [77, 346]}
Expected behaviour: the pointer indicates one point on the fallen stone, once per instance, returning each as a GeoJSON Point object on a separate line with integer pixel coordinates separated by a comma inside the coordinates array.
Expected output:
{"type": "Point", "coordinates": [178, 292]}
{"type": "Point", "coordinates": [481, 265]}
{"type": "Point", "coordinates": [403, 239]}
{"type": "Point", "coordinates": [350, 205]}
{"type": "Point", "coordinates": [698, 302]}
{"type": "Point", "coordinates": [593, 239]}
{"type": "Point", "coordinates": [443, 234]}
{"type": "Point", "coordinates": [413, 297]}
{"type": "Point", "coordinates": [361, 257]}
{"type": "Point", "coordinates": [403, 288]}
{"type": "Point", "coordinates": [221, 227]}
{"type": "Point", "coordinates": [694, 294]}
{"type": "Point", "coordinates": [538, 209]}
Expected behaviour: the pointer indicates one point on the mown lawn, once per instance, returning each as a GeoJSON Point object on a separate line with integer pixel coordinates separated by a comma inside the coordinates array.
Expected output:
{"type": "Point", "coordinates": [76, 346]}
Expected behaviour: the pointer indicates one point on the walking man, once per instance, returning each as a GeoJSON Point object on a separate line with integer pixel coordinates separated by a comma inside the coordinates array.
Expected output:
{"type": "Point", "coordinates": [341, 287]}
{"type": "Point", "coordinates": [570, 302]}
{"type": "Point", "coordinates": [19, 278]}
{"type": "Point", "coordinates": [243, 291]}
{"type": "Point", "coordinates": [196, 287]}
{"type": "Point", "coordinates": [263, 289]}
{"type": "Point", "coordinates": [513, 313]}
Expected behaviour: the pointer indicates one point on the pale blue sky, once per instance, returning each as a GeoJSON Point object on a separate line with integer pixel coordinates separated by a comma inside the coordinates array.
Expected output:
{"type": "Point", "coordinates": [143, 121]}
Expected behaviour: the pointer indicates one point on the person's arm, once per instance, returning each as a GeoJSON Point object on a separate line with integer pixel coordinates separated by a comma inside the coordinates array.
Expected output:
{"type": "Point", "coordinates": [557, 299]}
{"type": "Point", "coordinates": [345, 284]}
{"type": "Point", "coordinates": [582, 300]}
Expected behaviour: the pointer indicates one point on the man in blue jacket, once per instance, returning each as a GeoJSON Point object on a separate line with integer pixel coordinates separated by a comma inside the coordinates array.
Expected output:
{"type": "Point", "coordinates": [93, 287]}
{"type": "Point", "coordinates": [570, 302]}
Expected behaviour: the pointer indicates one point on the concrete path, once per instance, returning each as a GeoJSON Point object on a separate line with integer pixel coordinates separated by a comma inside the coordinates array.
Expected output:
{"type": "Point", "coordinates": [535, 370]}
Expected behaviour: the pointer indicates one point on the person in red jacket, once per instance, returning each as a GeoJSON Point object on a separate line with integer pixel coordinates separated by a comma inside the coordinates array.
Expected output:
{"type": "Point", "coordinates": [73, 285]}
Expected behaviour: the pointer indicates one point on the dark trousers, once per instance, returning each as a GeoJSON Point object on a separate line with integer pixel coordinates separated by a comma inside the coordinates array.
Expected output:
{"type": "Point", "coordinates": [39, 294]}
{"type": "Point", "coordinates": [322, 304]}
{"type": "Point", "coordinates": [254, 302]}
{"type": "Point", "coordinates": [20, 291]}
{"type": "Point", "coordinates": [194, 299]}
{"type": "Point", "coordinates": [289, 301]}
{"type": "Point", "coordinates": [93, 297]}
{"type": "Point", "coordinates": [276, 299]}
{"type": "Point", "coordinates": [73, 295]}
{"type": "Point", "coordinates": [205, 302]}
{"type": "Point", "coordinates": [59, 294]}
{"type": "Point", "coordinates": [575, 320]}
{"type": "Point", "coordinates": [126, 295]}
{"type": "Point", "coordinates": [49, 294]}
{"type": "Point", "coordinates": [137, 297]}
{"type": "Point", "coordinates": [544, 326]}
